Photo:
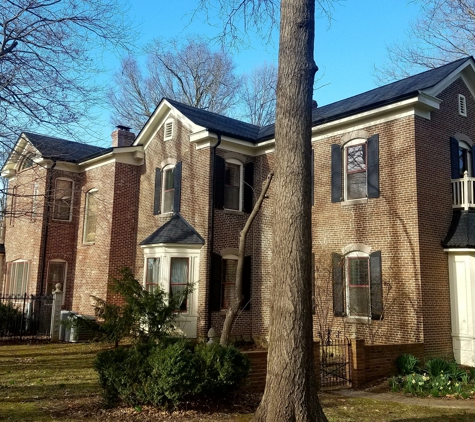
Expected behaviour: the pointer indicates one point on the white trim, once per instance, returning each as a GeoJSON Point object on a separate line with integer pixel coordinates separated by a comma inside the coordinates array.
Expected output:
{"type": "Point", "coordinates": [356, 254]}
{"type": "Point", "coordinates": [86, 214]}
{"type": "Point", "coordinates": [167, 168]}
{"type": "Point", "coordinates": [352, 143]}
{"type": "Point", "coordinates": [169, 129]}
{"type": "Point", "coordinates": [462, 105]}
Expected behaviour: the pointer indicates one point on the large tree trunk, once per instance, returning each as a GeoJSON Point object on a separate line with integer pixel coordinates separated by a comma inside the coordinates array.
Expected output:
{"type": "Point", "coordinates": [291, 388]}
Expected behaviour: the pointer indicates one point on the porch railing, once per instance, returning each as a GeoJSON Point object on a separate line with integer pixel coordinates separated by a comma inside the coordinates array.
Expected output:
{"type": "Point", "coordinates": [463, 192]}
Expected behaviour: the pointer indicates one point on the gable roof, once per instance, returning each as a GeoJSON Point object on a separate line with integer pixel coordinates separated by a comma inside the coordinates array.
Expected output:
{"type": "Point", "coordinates": [61, 149]}
{"type": "Point", "coordinates": [177, 230]}
{"type": "Point", "coordinates": [217, 123]}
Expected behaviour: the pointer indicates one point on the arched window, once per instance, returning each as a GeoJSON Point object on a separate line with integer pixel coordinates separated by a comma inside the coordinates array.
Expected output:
{"type": "Point", "coordinates": [168, 189]}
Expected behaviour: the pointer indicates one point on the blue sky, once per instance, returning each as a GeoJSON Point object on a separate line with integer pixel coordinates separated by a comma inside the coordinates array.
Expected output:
{"type": "Point", "coordinates": [345, 51]}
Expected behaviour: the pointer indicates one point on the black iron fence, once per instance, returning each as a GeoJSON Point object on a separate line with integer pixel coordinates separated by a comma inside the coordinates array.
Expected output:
{"type": "Point", "coordinates": [25, 317]}
{"type": "Point", "coordinates": [335, 355]}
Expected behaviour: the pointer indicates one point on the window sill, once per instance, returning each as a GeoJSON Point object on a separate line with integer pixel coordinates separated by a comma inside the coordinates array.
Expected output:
{"type": "Point", "coordinates": [235, 212]}
{"type": "Point", "coordinates": [358, 319]}
{"type": "Point", "coordinates": [166, 214]}
{"type": "Point", "coordinates": [88, 243]}
{"type": "Point", "coordinates": [61, 221]}
{"type": "Point", "coordinates": [354, 202]}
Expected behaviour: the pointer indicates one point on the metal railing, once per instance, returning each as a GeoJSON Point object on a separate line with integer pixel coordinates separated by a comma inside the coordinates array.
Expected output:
{"type": "Point", "coordinates": [25, 317]}
{"type": "Point", "coordinates": [463, 192]}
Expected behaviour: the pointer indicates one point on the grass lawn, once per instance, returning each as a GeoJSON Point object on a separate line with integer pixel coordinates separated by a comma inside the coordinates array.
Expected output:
{"type": "Point", "coordinates": [57, 382]}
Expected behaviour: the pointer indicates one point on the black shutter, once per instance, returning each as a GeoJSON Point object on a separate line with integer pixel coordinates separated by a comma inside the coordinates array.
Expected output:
{"type": "Point", "coordinates": [248, 185]}
{"type": "Point", "coordinates": [312, 175]}
{"type": "Point", "coordinates": [219, 182]}
{"type": "Point", "coordinates": [376, 286]}
{"type": "Point", "coordinates": [246, 283]}
{"type": "Point", "coordinates": [158, 191]}
{"type": "Point", "coordinates": [473, 162]}
{"type": "Point", "coordinates": [177, 187]}
{"type": "Point", "coordinates": [215, 282]}
{"type": "Point", "coordinates": [454, 158]}
{"type": "Point", "coordinates": [372, 176]}
{"type": "Point", "coordinates": [338, 287]}
{"type": "Point", "coordinates": [336, 173]}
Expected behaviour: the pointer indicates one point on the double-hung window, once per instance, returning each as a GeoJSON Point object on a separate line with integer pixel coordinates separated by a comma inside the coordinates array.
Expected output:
{"type": "Point", "coordinates": [56, 274]}
{"type": "Point", "coordinates": [357, 285]}
{"type": "Point", "coordinates": [167, 192]}
{"type": "Point", "coordinates": [179, 270]}
{"type": "Point", "coordinates": [63, 199]}
{"type": "Point", "coordinates": [462, 158]}
{"type": "Point", "coordinates": [232, 185]}
{"type": "Point", "coordinates": [168, 189]}
{"type": "Point", "coordinates": [17, 278]}
{"type": "Point", "coordinates": [90, 217]}
{"type": "Point", "coordinates": [355, 170]}
{"type": "Point", "coordinates": [228, 282]}
{"type": "Point", "coordinates": [152, 275]}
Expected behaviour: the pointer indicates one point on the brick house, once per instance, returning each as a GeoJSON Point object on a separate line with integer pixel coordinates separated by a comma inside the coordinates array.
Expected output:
{"type": "Point", "coordinates": [393, 222]}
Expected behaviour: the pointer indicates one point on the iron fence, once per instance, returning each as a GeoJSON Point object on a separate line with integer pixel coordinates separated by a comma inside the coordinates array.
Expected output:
{"type": "Point", "coordinates": [335, 355]}
{"type": "Point", "coordinates": [25, 317]}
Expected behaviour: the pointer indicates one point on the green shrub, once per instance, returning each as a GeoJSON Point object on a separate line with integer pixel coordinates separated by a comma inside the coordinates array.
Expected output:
{"type": "Point", "coordinates": [175, 374]}
{"type": "Point", "coordinates": [223, 369]}
{"type": "Point", "coordinates": [122, 372]}
{"type": "Point", "coordinates": [406, 364]}
{"type": "Point", "coordinates": [169, 373]}
{"type": "Point", "coordinates": [10, 319]}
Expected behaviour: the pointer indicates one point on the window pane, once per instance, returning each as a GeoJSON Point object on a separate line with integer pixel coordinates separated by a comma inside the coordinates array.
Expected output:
{"type": "Point", "coordinates": [179, 280]}
{"type": "Point", "coordinates": [356, 185]}
{"type": "Point", "coordinates": [168, 189]}
{"type": "Point", "coordinates": [17, 278]}
{"type": "Point", "coordinates": [56, 274]}
{"type": "Point", "coordinates": [358, 286]}
{"type": "Point", "coordinates": [228, 283]}
{"type": "Point", "coordinates": [90, 217]}
{"type": "Point", "coordinates": [356, 158]}
{"type": "Point", "coordinates": [168, 197]}
{"type": "Point", "coordinates": [232, 186]}
{"type": "Point", "coordinates": [152, 277]}
{"type": "Point", "coordinates": [63, 199]}
{"type": "Point", "coordinates": [168, 179]}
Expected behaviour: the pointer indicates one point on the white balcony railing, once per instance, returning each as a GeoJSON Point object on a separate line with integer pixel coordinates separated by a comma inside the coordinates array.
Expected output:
{"type": "Point", "coordinates": [463, 193]}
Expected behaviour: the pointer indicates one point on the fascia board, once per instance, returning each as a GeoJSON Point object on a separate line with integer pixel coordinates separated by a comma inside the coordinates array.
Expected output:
{"type": "Point", "coordinates": [466, 71]}
{"type": "Point", "coordinates": [128, 155]}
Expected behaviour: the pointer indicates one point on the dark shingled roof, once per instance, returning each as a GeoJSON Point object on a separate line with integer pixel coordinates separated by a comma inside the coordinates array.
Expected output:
{"type": "Point", "coordinates": [62, 149]}
{"type": "Point", "coordinates": [176, 230]}
{"type": "Point", "coordinates": [461, 232]}
{"type": "Point", "coordinates": [378, 97]}
{"type": "Point", "coordinates": [217, 123]}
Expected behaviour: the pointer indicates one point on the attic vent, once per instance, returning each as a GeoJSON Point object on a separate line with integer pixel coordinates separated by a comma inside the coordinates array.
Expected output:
{"type": "Point", "coordinates": [462, 105]}
{"type": "Point", "coordinates": [169, 126]}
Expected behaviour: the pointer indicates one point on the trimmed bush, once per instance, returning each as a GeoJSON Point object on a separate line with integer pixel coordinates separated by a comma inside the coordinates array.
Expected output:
{"type": "Point", "coordinates": [170, 373]}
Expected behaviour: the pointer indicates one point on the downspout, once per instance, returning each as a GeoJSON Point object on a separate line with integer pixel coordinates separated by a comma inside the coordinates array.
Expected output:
{"type": "Point", "coordinates": [45, 228]}
{"type": "Point", "coordinates": [211, 228]}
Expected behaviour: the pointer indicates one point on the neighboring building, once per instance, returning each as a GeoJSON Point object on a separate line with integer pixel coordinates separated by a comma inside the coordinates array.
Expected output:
{"type": "Point", "coordinates": [393, 221]}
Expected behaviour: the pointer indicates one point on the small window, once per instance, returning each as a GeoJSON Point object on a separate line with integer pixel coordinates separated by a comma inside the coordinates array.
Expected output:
{"type": "Point", "coordinates": [462, 105]}
{"type": "Point", "coordinates": [56, 274]}
{"type": "Point", "coordinates": [90, 217]}
{"type": "Point", "coordinates": [228, 283]}
{"type": "Point", "coordinates": [27, 162]}
{"type": "Point", "coordinates": [179, 281]}
{"type": "Point", "coordinates": [465, 159]}
{"type": "Point", "coordinates": [168, 189]}
{"type": "Point", "coordinates": [355, 170]}
{"type": "Point", "coordinates": [169, 129]}
{"type": "Point", "coordinates": [152, 274]}
{"type": "Point", "coordinates": [63, 200]}
{"type": "Point", "coordinates": [232, 185]}
{"type": "Point", "coordinates": [17, 278]}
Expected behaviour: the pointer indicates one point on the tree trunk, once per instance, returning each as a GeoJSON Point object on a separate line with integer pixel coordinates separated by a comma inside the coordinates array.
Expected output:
{"type": "Point", "coordinates": [234, 308]}
{"type": "Point", "coordinates": [291, 387]}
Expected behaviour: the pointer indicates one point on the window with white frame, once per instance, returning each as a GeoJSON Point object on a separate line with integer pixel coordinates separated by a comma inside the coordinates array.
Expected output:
{"type": "Point", "coordinates": [168, 188]}
{"type": "Point", "coordinates": [465, 158]}
{"type": "Point", "coordinates": [228, 282]}
{"type": "Point", "coordinates": [17, 277]}
{"type": "Point", "coordinates": [179, 270]}
{"type": "Point", "coordinates": [56, 274]}
{"type": "Point", "coordinates": [355, 169]}
{"type": "Point", "coordinates": [63, 199]}
{"type": "Point", "coordinates": [357, 284]}
{"type": "Point", "coordinates": [233, 184]}
{"type": "Point", "coordinates": [152, 275]}
{"type": "Point", "coordinates": [169, 129]}
{"type": "Point", "coordinates": [90, 217]}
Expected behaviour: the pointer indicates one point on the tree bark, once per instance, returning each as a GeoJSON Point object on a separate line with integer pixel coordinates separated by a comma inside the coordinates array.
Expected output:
{"type": "Point", "coordinates": [234, 308]}
{"type": "Point", "coordinates": [291, 387]}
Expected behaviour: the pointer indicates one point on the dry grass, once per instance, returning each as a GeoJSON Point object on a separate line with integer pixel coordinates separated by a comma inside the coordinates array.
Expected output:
{"type": "Point", "coordinates": [57, 382]}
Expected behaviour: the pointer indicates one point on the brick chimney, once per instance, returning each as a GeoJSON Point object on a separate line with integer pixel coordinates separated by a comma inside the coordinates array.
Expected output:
{"type": "Point", "coordinates": [122, 137]}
